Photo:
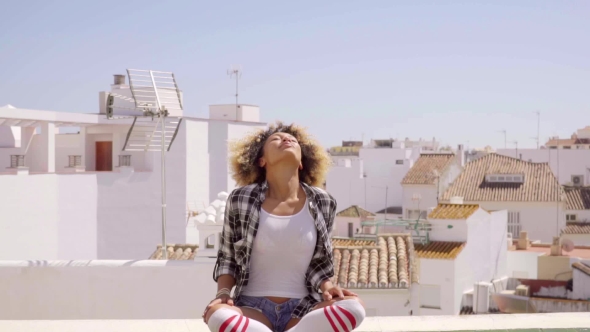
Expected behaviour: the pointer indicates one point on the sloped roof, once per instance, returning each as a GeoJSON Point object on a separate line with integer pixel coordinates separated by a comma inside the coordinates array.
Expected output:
{"type": "Point", "coordinates": [577, 198]}
{"type": "Point", "coordinates": [574, 227]}
{"type": "Point", "coordinates": [355, 211]}
{"type": "Point", "coordinates": [423, 170]}
{"type": "Point", "coordinates": [540, 185]}
{"type": "Point", "coordinates": [439, 249]}
{"type": "Point", "coordinates": [384, 263]}
{"type": "Point", "coordinates": [177, 252]}
{"type": "Point", "coordinates": [453, 211]}
{"type": "Point", "coordinates": [582, 267]}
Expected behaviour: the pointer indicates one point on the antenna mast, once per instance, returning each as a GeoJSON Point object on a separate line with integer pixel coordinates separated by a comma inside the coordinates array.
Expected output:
{"type": "Point", "coordinates": [505, 142]}
{"type": "Point", "coordinates": [235, 71]}
{"type": "Point", "coordinates": [538, 128]}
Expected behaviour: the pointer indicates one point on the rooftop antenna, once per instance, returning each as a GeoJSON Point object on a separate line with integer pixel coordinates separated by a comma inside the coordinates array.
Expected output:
{"type": "Point", "coordinates": [156, 97]}
{"type": "Point", "coordinates": [538, 127]}
{"type": "Point", "coordinates": [235, 72]}
{"type": "Point", "coordinates": [516, 148]}
{"type": "Point", "coordinates": [504, 131]}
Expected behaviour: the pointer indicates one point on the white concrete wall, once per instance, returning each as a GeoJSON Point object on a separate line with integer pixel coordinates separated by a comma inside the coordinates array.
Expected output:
{"type": "Point", "coordinates": [571, 162]}
{"type": "Point", "coordinates": [346, 184]}
{"type": "Point", "coordinates": [341, 226]}
{"type": "Point", "coordinates": [386, 302]}
{"type": "Point", "coordinates": [542, 221]}
{"type": "Point", "coordinates": [439, 273]}
{"type": "Point", "coordinates": [48, 216]}
{"type": "Point", "coordinates": [579, 239]}
{"type": "Point", "coordinates": [522, 264]}
{"type": "Point", "coordinates": [581, 215]}
{"type": "Point", "coordinates": [105, 289]}
{"type": "Point", "coordinates": [197, 162]}
{"type": "Point", "coordinates": [428, 194]}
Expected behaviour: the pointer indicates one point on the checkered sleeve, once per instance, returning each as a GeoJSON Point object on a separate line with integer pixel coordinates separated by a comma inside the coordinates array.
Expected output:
{"type": "Point", "coordinates": [226, 263]}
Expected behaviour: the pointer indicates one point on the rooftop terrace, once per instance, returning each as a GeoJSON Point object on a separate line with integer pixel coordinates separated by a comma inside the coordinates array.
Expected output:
{"type": "Point", "coordinates": [569, 322]}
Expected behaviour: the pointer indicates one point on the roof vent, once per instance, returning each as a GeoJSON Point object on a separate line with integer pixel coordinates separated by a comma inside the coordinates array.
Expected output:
{"type": "Point", "coordinates": [456, 200]}
{"type": "Point", "coordinates": [119, 79]}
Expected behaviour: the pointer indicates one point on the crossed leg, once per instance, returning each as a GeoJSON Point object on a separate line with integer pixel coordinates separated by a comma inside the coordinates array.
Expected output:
{"type": "Point", "coordinates": [225, 318]}
{"type": "Point", "coordinates": [331, 316]}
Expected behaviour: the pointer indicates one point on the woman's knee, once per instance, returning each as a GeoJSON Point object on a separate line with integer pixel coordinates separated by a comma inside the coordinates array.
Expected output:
{"type": "Point", "coordinates": [217, 307]}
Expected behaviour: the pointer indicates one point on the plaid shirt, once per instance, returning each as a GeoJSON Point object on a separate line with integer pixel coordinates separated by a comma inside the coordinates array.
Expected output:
{"type": "Point", "coordinates": [239, 230]}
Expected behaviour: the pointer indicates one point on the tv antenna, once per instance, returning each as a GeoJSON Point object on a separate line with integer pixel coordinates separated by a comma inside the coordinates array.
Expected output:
{"type": "Point", "coordinates": [158, 101]}
{"type": "Point", "coordinates": [235, 72]}
{"type": "Point", "coordinates": [505, 142]}
{"type": "Point", "coordinates": [516, 147]}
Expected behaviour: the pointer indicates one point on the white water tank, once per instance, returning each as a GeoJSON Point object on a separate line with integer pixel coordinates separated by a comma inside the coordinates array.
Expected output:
{"type": "Point", "coordinates": [481, 297]}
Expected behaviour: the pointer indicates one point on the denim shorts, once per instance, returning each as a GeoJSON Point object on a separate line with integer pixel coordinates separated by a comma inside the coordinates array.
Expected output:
{"type": "Point", "coordinates": [278, 315]}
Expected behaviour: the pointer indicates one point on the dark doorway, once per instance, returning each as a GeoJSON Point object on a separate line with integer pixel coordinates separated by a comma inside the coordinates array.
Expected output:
{"type": "Point", "coordinates": [104, 156]}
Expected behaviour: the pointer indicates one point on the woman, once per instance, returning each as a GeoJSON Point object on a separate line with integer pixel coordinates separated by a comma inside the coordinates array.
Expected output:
{"type": "Point", "coordinates": [275, 246]}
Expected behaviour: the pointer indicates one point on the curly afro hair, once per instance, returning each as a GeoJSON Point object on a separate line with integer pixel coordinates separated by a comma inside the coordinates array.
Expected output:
{"type": "Point", "coordinates": [245, 153]}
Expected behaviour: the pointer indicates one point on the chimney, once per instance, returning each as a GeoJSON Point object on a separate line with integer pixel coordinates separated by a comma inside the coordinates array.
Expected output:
{"type": "Point", "coordinates": [461, 155]}
{"type": "Point", "coordinates": [119, 79]}
{"type": "Point", "coordinates": [523, 241]}
{"type": "Point", "coordinates": [556, 247]}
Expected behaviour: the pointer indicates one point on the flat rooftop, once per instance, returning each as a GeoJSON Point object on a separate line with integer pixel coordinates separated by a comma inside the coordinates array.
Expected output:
{"type": "Point", "coordinates": [569, 322]}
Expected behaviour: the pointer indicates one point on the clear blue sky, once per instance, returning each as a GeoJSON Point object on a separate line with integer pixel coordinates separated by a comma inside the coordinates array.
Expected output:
{"type": "Point", "coordinates": [459, 71]}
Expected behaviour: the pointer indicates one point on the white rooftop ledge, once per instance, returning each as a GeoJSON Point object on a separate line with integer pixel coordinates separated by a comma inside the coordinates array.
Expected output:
{"type": "Point", "coordinates": [577, 321]}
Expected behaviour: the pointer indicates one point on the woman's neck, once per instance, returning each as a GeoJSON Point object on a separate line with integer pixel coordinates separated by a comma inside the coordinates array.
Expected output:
{"type": "Point", "coordinates": [283, 184]}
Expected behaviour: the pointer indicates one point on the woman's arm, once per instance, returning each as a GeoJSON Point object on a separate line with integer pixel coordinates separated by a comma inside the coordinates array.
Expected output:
{"type": "Point", "coordinates": [226, 263]}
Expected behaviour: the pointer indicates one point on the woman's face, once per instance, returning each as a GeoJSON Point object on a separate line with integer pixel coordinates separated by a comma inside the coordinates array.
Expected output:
{"type": "Point", "coordinates": [280, 147]}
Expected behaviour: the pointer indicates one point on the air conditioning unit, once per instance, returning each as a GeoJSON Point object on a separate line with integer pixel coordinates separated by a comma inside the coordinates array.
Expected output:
{"type": "Point", "coordinates": [578, 180]}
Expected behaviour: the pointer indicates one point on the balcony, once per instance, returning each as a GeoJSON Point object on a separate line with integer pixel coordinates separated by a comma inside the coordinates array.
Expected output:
{"type": "Point", "coordinates": [566, 322]}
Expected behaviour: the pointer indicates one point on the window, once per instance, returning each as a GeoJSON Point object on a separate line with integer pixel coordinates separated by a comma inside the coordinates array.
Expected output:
{"type": "Point", "coordinates": [514, 226]}
{"type": "Point", "coordinates": [17, 161]}
{"type": "Point", "coordinates": [567, 147]}
{"type": "Point", "coordinates": [570, 217]}
{"type": "Point", "coordinates": [74, 161]}
{"type": "Point", "coordinates": [430, 296]}
{"type": "Point", "coordinates": [510, 178]}
{"type": "Point", "coordinates": [413, 214]}
{"type": "Point", "coordinates": [399, 162]}
{"type": "Point", "coordinates": [124, 160]}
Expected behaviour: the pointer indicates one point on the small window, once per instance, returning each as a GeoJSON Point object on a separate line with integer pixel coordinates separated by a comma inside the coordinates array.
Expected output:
{"type": "Point", "coordinates": [493, 178]}
{"type": "Point", "coordinates": [567, 147]}
{"type": "Point", "coordinates": [508, 179]}
{"type": "Point", "coordinates": [74, 161]}
{"type": "Point", "coordinates": [517, 179]}
{"type": "Point", "coordinates": [501, 178]}
{"type": "Point", "coordinates": [17, 161]}
{"type": "Point", "coordinates": [124, 160]}
{"type": "Point", "coordinates": [570, 217]}
{"type": "Point", "coordinates": [399, 162]}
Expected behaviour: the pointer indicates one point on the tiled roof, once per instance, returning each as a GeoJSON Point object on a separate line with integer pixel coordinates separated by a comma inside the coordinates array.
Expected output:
{"type": "Point", "coordinates": [348, 242]}
{"type": "Point", "coordinates": [540, 185]}
{"type": "Point", "coordinates": [469, 311]}
{"type": "Point", "coordinates": [355, 211]}
{"type": "Point", "coordinates": [385, 263]}
{"type": "Point", "coordinates": [582, 267]}
{"type": "Point", "coordinates": [453, 211]}
{"type": "Point", "coordinates": [577, 198]}
{"type": "Point", "coordinates": [178, 252]}
{"type": "Point", "coordinates": [439, 250]}
{"type": "Point", "coordinates": [574, 227]}
{"type": "Point", "coordinates": [423, 170]}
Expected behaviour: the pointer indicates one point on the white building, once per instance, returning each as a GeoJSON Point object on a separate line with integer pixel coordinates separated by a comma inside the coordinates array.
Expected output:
{"type": "Point", "coordinates": [71, 201]}
{"type": "Point", "coordinates": [425, 182]}
{"type": "Point", "coordinates": [467, 246]}
{"type": "Point", "coordinates": [347, 222]}
{"type": "Point", "coordinates": [528, 191]}
{"type": "Point", "coordinates": [370, 176]}
{"type": "Point", "coordinates": [569, 158]}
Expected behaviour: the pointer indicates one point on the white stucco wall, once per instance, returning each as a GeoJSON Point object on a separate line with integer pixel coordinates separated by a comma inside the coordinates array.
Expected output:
{"type": "Point", "coordinates": [48, 216]}
{"type": "Point", "coordinates": [581, 289]}
{"type": "Point", "coordinates": [522, 264]}
{"type": "Point", "coordinates": [427, 194]}
{"type": "Point", "coordinates": [542, 221]}
{"type": "Point", "coordinates": [581, 215]}
{"type": "Point", "coordinates": [197, 162]}
{"type": "Point", "coordinates": [571, 162]}
{"type": "Point", "coordinates": [437, 274]}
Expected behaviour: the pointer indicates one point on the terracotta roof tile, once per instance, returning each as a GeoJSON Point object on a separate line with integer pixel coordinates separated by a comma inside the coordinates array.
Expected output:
{"type": "Point", "coordinates": [439, 250]}
{"type": "Point", "coordinates": [576, 228]}
{"type": "Point", "coordinates": [540, 185]}
{"type": "Point", "coordinates": [453, 211]}
{"type": "Point", "coordinates": [178, 252]}
{"type": "Point", "coordinates": [384, 263]}
{"type": "Point", "coordinates": [423, 170]}
{"type": "Point", "coordinates": [355, 211]}
{"type": "Point", "coordinates": [347, 242]}
{"type": "Point", "coordinates": [577, 198]}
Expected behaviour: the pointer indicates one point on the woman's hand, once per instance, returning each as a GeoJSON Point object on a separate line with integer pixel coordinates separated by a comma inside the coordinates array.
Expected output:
{"type": "Point", "coordinates": [336, 292]}
{"type": "Point", "coordinates": [222, 299]}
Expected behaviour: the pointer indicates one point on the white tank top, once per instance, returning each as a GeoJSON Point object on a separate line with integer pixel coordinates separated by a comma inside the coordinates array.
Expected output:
{"type": "Point", "coordinates": [281, 254]}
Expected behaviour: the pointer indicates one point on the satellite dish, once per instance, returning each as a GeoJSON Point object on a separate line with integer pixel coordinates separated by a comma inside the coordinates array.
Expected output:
{"type": "Point", "coordinates": [567, 245]}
